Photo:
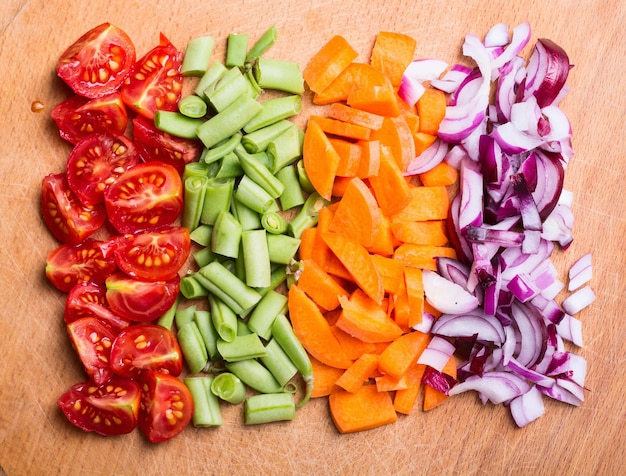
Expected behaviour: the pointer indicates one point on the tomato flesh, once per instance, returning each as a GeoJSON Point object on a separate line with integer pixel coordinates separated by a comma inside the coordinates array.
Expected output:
{"type": "Point", "coordinates": [155, 255]}
{"type": "Point", "coordinates": [92, 339]}
{"type": "Point", "coordinates": [146, 197]}
{"type": "Point", "coordinates": [155, 82]}
{"type": "Point", "coordinates": [145, 347]}
{"type": "Point", "coordinates": [78, 117]}
{"type": "Point", "coordinates": [166, 406]}
{"type": "Point", "coordinates": [108, 409]}
{"type": "Point", "coordinates": [96, 162]}
{"type": "Point", "coordinates": [140, 301]}
{"type": "Point", "coordinates": [98, 62]}
{"type": "Point", "coordinates": [89, 300]}
{"type": "Point", "coordinates": [67, 219]}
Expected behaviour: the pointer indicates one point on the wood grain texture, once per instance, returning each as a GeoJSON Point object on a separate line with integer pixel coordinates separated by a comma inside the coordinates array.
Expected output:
{"type": "Point", "coordinates": [462, 436]}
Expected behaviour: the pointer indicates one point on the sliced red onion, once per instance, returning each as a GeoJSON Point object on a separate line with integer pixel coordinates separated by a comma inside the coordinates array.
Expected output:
{"type": "Point", "coordinates": [515, 141]}
{"type": "Point", "coordinates": [498, 35]}
{"type": "Point", "coordinates": [570, 329]}
{"type": "Point", "coordinates": [438, 380]}
{"type": "Point", "coordinates": [527, 407]}
{"type": "Point", "coordinates": [580, 272]}
{"type": "Point", "coordinates": [521, 36]}
{"type": "Point", "coordinates": [533, 376]}
{"type": "Point", "coordinates": [425, 324]}
{"type": "Point", "coordinates": [496, 387]}
{"type": "Point", "coordinates": [570, 366]}
{"type": "Point", "coordinates": [579, 300]}
{"type": "Point", "coordinates": [437, 353]}
{"type": "Point", "coordinates": [470, 212]}
{"type": "Point", "coordinates": [561, 394]}
{"type": "Point", "coordinates": [548, 69]}
{"type": "Point", "coordinates": [532, 333]}
{"type": "Point", "coordinates": [452, 79]}
{"type": "Point", "coordinates": [476, 323]}
{"type": "Point", "coordinates": [447, 296]}
{"type": "Point", "coordinates": [522, 287]}
{"type": "Point", "coordinates": [428, 159]}
{"type": "Point", "coordinates": [416, 73]}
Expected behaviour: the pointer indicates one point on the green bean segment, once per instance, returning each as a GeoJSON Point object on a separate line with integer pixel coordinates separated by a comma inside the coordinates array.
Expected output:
{"type": "Point", "coordinates": [228, 387]}
{"type": "Point", "coordinates": [206, 405]}
{"type": "Point", "coordinates": [269, 408]}
{"type": "Point", "coordinates": [197, 56]}
{"type": "Point", "coordinates": [242, 347]}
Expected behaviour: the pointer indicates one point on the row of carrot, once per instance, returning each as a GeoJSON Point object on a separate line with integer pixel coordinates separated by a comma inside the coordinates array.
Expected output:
{"type": "Point", "coordinates": [359, 293]}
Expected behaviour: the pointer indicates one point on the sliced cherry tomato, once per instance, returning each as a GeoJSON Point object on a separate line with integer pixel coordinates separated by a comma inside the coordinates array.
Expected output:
{"type": "Point", "coordinates": [146, 197]}
{"type": "Point", "coordinates": [92, 339]}
{"type": "Point", "coordinates": [146, 347]}
{"type": "Point", "coordinates": [140, 301]}
{"type": "Point", "coordinates": [67, 219]}
{"type": "Point", "coordinates": [98, 62]}
{"type": "Point", "coordinates": [109, 409]}
{"type": "Point", "coordinates": [154, 144]}
{"type": "Point", "coordinates": [155, 81]}
{"type": "Point", "coordinates": [89, 300]}
{"type": "Point", "coordinates": [69, 265]}
{"type": "Point", "coordinates": [166, 406]}
{"type": "Point", "coordinates": [78, 117]}
{"type": "Point", "coordinates": [153, 255]}
{"type": "Point", "coordinates": [96, 162]}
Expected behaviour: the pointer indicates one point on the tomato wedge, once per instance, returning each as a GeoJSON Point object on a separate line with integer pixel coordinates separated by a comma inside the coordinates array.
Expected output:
{"type": "Point", "coordinates": [166, 406]}
{"type": "Point", "coordinates": [78, 117]}
{"type": "Point", "coordinates": [146, 197]}
{"type": "Point", "coordinates": [153, 144]}
{"type": "Point", "coordinates": [88, 299]}
{"type": "Point", "coordinates": [144, 347]}
{"type": "Point", "coordinates": [65, 216]}
{"type": "Point", "coordinates": [140, 301]}
{"type": "Point", "coordinates": [155, 81]}
{"type": "Point", "coordinates": [154, 255]}
{"type": "Point", "coordinates": [92, 339]}
{"type": "Point", "coordinates": [69, 265]}
{"type": "Point", "coordinates": [96, 162]}
{"type": "Point", "coordinates": [109, 409]}
{"type": "Point", "coordinates": [98, 62]}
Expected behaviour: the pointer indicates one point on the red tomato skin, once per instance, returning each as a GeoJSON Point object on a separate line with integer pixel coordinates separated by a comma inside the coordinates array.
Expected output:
{"type": "Point", "coordinates": [92, 339]}
{"type": "Point", "coordinates": [166, 406]}
{"type": "Point", "coordinates": [96, 162]}
{"type": "Point", "coordinates": [140, 301]}
{"type": "Point", "coordinates": [88, 299]}
{"type": "Point", "coordinates": [69, 265]}
{"type": "Point", "coordinates": [144, 347]}
{"type": "Point", "coordinates": [86, 64]}
{"type": "Point", "coordinates": [146, 197]}
{"type": "Point", "coordinates": [68, 220]}
{"type": "Point", "coordinates": [153, 255]}
{"type": "Point", "coordinates": [78, 117]}
{"type": "Point", "coordinates": [109, 409]}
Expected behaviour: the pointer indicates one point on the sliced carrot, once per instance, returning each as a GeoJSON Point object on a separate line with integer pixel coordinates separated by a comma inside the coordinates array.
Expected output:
{"type": "Point", "coordinates": [339, 187]}
{"type": "Point", "coordinates": [420, 232]}
{"type": "Point", "coordinates": [328, 63]}
{"type": "Point", "coordinates": [422, 141]}
{"type": "Point", "coordinates": [425, 203]}
{"type": "Point", "coordinates": [356, 259]}
{"type": "Point", "coordinates": [350, 153]}
{"type": "Point", "coordinates": [431, 310]}
{"type": "Point", "coordinates": [341, 128]}
{"type": "Point", "coordinates": [383, 243]}
{"type": "Point", "coordinates": [320, 159]}
{"type": "Point", "coordinates": [358, 373]}
{"type": "Point", "coordinates": [343, 112]}
{"type": "Point", "coordinates": [321, 252]}
{"type": "Point", "coordinates": [322, 288]}
{"type": "Point", "coordinates": [415, 294]}
{"type": "Point", "coordinates": [423, 256]}
{"type": "Point", "coordinates": [434, 397]}
{"type": "Point", "coordinates": [373, 93]}
{"type": "Point", "coordinates": [307, 243]}
{"type": "Point", "coordinates": [442, 174]}
{"type": "Point", "coordinates": [358, 215]}
{"type": "Point", "coordinates": [339, 89]}
{"type": "Point", "coordinates": [352, 347]}
{"type": "Point", "coordinates": [388, 383]}
{"type": "Point", "coordinates": [404, 399]}
{"type": "Point", "coordinates": [313, 330]}
{"type": "Point", "coordinates": [431, 108]}
{"type": "Point", "coordinates": [324, 378]}
{"type": "Point", "coordinates": [390, 187]}
{"type": "Point", "coordinates": [391, 271]}
{"type": "Point", "coordinates": [413, 121]}
{"type": "Point", "coordinates": [370, 159]}
{"type": "Point", "coordinates": [364, 319]}
{"type": "Point", "coordinates": [363, 410]}
{"type": "Point", "coordinates": [392, 53]}
{"type": "Point", "coordinates": [402, 352]}
{"type": "Point", "coordinates": [395, 135]}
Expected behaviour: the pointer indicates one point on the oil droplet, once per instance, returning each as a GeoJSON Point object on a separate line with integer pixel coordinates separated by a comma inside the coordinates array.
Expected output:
{"type": "Point", "coordinates": [37, 106]}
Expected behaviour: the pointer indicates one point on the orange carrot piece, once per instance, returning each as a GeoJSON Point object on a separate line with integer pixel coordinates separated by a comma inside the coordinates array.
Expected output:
{"type": "Point", "coordinates": [415, 294]}
{"type": "Point", "coordinates": [350, 153]}
{"type": "Point", "coordinates": [425, 203]}
{"type": "Point", "coordinates": [390, 187]}
{"type": "Point", "coordinates": [431, 310]}
{"type": "Point", "coordinates": [391, 271]}
{"type": "Point", "coordinates": [373, 92]}
{"type": "Point", "coordinates": [328, 63]}
{"type": "Point", "coordinates": [322, 288]}
{"type": "Point", "coordinates": [320, 159]}
{"type": "Point", "coordinates": [339, 89]}
{"type": "Point", "coordinates": [431, 232]}
{"type": "Point", "coordinates": [339, 187]}
{"type": "Point", "coordinates": [362, 410]}
{"type": "Point", "coordinates": [383, 243]}
{"type": "Point", "coordinates": [401, 311]}
{"type": "Point", "coordinates": [388, 383]}
{"type": "Point", "coordinates": [370, 159]}
{"type": "Point", "coordinates": [442, 174]}
{"type": "Point", "coordinates": [434, 397]}
{"type": "Point", "coordinates": [352, 347]}
{"type": "Point", "coordinates": [364, 319]}
{"type": "Point", "coordinates": [423, 256]}
{"type": "Point", "coordinates": [392, 53]}
{"type": "Point", "coordinates": [402, 352]}
{"type": "Point", "coordinates": [324, 378]}
{"type": "Point", "coordinates": [340, 128]}
{"type": "Point", "coordinates": [358, 373]}
{"type": "Point", "coordinates": [404, 399]}
{"type": "Point", "coordinates": [343, 112]}
{"type": "Point", "coordinates": [313, 330]}
{"type": "Point", "coordinates": [395, 136]}
{"type": "Point", "coordinates": [307, 243]}
{"type": "Point", "coordinates": [413, 121]}
{"type": "Point", "coordinates": [357, 215]}
{"type": "Point", "coordinates": [356, 259]}
{"type": "Point", "coordinates": [431, 108]}
{"type": "Point", "coordinates": [422, 141]}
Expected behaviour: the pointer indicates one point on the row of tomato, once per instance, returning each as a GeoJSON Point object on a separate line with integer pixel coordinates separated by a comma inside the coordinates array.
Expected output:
{"type": "Point", "coordinates": [114, 211]}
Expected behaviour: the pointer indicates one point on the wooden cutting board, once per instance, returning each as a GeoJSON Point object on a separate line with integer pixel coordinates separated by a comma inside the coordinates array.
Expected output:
{"type": "Point", "coordinates": [462, 436]}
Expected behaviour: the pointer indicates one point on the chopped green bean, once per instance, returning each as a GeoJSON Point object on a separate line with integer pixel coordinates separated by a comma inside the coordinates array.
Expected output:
{"type": "Point", "coordinates": [292, 195]}
{"type": "Point", "coordinates": [262, 317]}
{"type": "Point", "coordinates": [203, 256]}
{"type": "Point", "coordinates": [256, 258]}
{"type": "Point", "coordinates": [241, 348]}
{"type": "Point", "coordinates": [253, 195]}
{"type": "Point", "coordinates": [217, 197]}
{"type": "Point", "coordinates": [228, 88]}
{"type": "Point", "coordinates": [192, 347]}
{"type": "Point", "coordinates": [236, 49]}
{"type": "Point", "coordinates": [184, 315]}
{"type": "Point", "coordinates": [206, 411]}
{"type": "Point", "coordinates": [274, 223]}
{"type": "Point", "coordinates": [246, 216]}
{"type": "Point", "coordinates": [195, 169]}
{"type": "Point", "coordinates": [267, 39]}
{"type": "Point", "coordinates": [242, 328]}
{"type": "Point", "coordinates": [194, 191]}
{"type": "Point", "coordinates": [167, 319]}
{"type": "Point", "coordinates": [267, 408]}
{"type": "Point", "coordinates": [223, 318]}
{"type": "Point", "coordinates": [254, 375]}
{"type": "Point", "coordinates": [190, 288]}
{"type": "Point", "coordinates": [286, 148]}
{"type": "Point", "coordinates": [212, 75]}
{"type": "Point", "coordinates": [282, 248]}
{"type": "Point", "coordinates": [209, 335]}
{"type": "Point", "coordinates": [253, 87]}
{"type": "Point", "coordinates": [259, 173]}
{"type": "Point", "coordinates": [226, 235]}
{"type": "Point", "coordinates": [177, 124]}
{"type": "Point", "coordinates": [308, 214]}
{"type": "Point", "coordinates": [280, 75]}
{"type": "Point", "coordinates": [202, 235]}
{"type": "Point", "coordinates": [192, 106]}
{"type": "Point", "coordinates": [217, 274]}
{"type": "Point", "coordinates": [279, 274]}
{"type": "Point", "coordinates": [305, 182]}
{"type": "Point", "coordinates": [221, 150]}
{"type": "Point", "coordinates": [197, 56]}
{"type": "Point", "coordinates": [228, 387]}
{"type": "Point", "coordinates": [274, 110]}
{"type": "Point", "coordinates": [278, 363]}
{"type": "Point", "coordinates": [214, 290]}
{"type": "Point", "coordinates": [258, 140]}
